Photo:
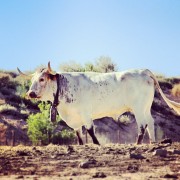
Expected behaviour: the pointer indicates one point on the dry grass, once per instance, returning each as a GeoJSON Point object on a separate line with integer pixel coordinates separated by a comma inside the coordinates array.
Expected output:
{"type": "Point", "coordinates": [176, 90]}
{"type": "Point", "coordinates": [125, 119]}
{"type": "Point", "coordinates": [7, 107]}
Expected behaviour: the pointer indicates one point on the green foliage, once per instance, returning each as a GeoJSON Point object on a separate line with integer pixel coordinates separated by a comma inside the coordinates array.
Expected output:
{"type": "Point", "coordinates": [23, 87]}
{"type": "Point", "coordinates": [64, 137]}
{"type": "Point", "coordinates": [40, 129]}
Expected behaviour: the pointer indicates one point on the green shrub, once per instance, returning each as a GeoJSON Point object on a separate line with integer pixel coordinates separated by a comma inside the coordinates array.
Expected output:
{"type": "Point", "coordinates": [64, 137]}
{"type": "Point", "coordinates": [23, 87]}
{"type": "Point", "coordinates": [40, 129]}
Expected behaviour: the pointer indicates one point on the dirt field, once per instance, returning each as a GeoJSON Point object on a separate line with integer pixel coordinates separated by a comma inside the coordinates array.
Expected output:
{"type": "Point", "coordinates": [112, 161]}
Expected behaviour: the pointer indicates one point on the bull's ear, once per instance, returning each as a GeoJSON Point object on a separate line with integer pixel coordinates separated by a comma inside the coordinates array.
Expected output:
{"type": "Point", "coordinates": [52, 77]}
{"type": "Point", "coordinates": [50, 71]}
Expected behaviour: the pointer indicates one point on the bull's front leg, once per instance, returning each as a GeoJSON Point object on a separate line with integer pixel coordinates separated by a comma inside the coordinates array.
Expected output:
{"type": "Point", "coordinates": [92, 134]}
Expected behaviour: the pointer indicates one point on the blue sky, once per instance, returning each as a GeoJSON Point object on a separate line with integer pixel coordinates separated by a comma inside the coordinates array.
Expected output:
{"type": "Point", "coordinates": [134, 33]}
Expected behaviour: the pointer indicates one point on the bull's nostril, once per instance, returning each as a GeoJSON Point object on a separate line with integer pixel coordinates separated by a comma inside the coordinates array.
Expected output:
{"type": "Point", "coordinates": [32, 94]}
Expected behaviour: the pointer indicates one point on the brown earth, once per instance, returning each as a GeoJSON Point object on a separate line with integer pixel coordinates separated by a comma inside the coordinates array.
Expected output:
{"type": "Point", "coordinates": [111, 161]}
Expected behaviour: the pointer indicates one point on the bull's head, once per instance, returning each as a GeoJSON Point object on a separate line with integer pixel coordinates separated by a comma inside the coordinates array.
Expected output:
{"type": "Point", "coordinates": [43, 85]}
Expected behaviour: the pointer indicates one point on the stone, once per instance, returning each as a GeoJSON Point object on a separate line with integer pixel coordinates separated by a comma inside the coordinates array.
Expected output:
{"type": "Point", "coordinates": [160, 152]}
{"type": "Point", "coordinates": [175, 151]}
{"type": "Point", "coordinates": [87, 163]}
{"type": "Point", "coordinates": [137, 156]}
{"type": "Point", "coordinates": [167, 140]}
{"type": "Point", "coordinates": [171, 176]}
{"type": "Point", "coordinates": [99, 175]}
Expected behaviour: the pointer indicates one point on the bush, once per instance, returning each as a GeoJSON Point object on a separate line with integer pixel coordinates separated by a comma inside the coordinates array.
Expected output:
{"type": "Point", "coordinates": [40, 129]}
{"type": "Point", "coordinates": [103, 65]}
{"type": "Point", "coordinates": [71, 67]}
{"type": "Point", "coordinates": [8, 82]}
{"type": "Point", "coordinates": [64, 137]}
{"type": "Point", "coordinates": [23, 86]}
{"type": "Point", "coordinates": [5, 91]}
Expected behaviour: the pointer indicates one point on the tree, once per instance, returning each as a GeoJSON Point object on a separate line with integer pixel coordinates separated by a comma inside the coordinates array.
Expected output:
{"type": "Point", "coordinates": [103, 64]}
{"type": "Point", "coordinates": [71, 67]}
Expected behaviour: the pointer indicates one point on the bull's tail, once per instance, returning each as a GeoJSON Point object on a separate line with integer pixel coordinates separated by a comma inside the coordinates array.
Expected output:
{"type": "Point", "coordinates": [172, 104]}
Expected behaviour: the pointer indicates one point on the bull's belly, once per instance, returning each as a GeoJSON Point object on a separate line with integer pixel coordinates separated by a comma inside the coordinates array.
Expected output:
{"type": "Point", "coordinates": [76, 124]}
{"type": "Point", "coordinates": [72, 117]}
{"type": "Point", "coordinates": [114, 113]}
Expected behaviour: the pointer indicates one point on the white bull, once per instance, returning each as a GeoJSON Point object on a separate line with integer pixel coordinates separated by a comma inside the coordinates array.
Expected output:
{"type": "Point", "coordinates": [86, 96]}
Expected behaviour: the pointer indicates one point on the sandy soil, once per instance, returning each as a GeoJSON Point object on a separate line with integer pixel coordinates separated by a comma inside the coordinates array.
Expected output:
{"type": "Point", "coordinates": [111, 161]}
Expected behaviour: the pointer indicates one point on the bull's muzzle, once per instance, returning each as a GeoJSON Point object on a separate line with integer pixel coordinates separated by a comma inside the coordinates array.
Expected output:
{"type": "Point", "coordinates": [31, 94]}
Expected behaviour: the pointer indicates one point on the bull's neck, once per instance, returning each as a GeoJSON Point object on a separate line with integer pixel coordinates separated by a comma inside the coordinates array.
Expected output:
{"type": "Point", "coordinates": [50, 91]}
{"type": "Point", "coordinates": [63, 88]}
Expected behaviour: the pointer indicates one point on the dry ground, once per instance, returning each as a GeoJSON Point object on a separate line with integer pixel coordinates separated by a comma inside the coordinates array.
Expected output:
{"type": "Point", "coordinates": [111, 161]}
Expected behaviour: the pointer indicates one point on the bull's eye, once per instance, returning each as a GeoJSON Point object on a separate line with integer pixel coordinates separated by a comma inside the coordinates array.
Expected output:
{"type": "Point", "coordinates": [41, 80]}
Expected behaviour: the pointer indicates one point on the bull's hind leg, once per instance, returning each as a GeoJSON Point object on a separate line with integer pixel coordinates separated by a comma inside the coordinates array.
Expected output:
{"type": "Point", "coordinates": [144, 121]}
{"type": "Point", "coordinates": [142, 125]}
{"type": "Point", "coordinates": [141, 134]}
{"type": "Point", "coordinates": [150, 127]}
{"type": "Point", "coordinates": [92, 134]}
{"type": "Point", "coordinates": [78, 133]}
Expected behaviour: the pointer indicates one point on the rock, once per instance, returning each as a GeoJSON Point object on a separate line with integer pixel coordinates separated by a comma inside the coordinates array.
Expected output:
{"type": "Point", "coordinates": [87, 163]}
{"type": "Point", "coordinates": [172, 176]}
{"type": "Point", "coordinates": [175, 151]}
{"type": "Point", "coordinates": [23, 153]}
{"type": "Point", "coordinates": [84, 164]}
{"type": "Point", "coordinates": [137, 156]}
{"type": "Point", "coordinates": [133, 168]}
{"type": "Point", "coordinates": [74, 174]}
{"type": "Point", "coordinates": [20, 177]}
{"type": "Point", "coordinates": [160, 152]}
{"type": "Point", "coordinates": [70, 149]}
{"type": "Point", "coordinates": [159, 147]}
{"type": "Point", "coordinates": [99, 175]}
{"type": "Point", "coordinates": [167, 140]}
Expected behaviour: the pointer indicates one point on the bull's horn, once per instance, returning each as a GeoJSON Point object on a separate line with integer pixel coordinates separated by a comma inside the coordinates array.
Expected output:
{"type": "Point", "coordinates": [21, 73]}
{"type": "Point", "coordinates": [50, 70]}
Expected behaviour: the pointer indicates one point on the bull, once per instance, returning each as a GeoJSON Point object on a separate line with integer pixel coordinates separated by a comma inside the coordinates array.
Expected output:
{"type": "Point", "coordinates": [81, 97]}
